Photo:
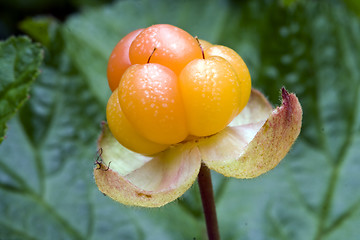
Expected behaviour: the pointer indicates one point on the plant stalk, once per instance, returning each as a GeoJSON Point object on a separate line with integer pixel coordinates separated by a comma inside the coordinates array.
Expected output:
{"type": "Point", "coordinates": [208, 202]}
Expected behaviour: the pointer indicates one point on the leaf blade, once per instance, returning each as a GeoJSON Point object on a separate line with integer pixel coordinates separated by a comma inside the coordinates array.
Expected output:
{"type": "Point", "coordinates": [19, 63]}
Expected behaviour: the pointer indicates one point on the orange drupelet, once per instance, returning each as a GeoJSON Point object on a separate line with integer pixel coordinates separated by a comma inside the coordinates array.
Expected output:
{"type": "Point", "coordinates": [150, 98]}
{"type": "Point", "coordinates": [211, 93]}
{"type": "Point", "coordinates": [239, 66]}
{"type": "Point", "coordinates": [125, 132]}
{"type": "Point", "coordinates": [174, 47]}
{"type": "Point", "coordinates": [119, 59]}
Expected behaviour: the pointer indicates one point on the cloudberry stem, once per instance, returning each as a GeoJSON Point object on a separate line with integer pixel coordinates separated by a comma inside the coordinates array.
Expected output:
{"type": "Point", "coordinates": [148, 61]}
{"type": "Point", "coordinates": [202, 50]}
{"type": "Point", "coordinates": [208, 202]}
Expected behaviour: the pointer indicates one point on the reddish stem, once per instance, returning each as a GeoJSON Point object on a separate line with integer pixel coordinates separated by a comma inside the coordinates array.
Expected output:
{"type": "Point", "coordinates": [208, 202]}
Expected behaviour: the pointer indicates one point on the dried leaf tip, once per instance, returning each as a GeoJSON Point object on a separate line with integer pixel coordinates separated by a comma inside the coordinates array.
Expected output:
{"type": "Point", "coordinates": [285, 95]}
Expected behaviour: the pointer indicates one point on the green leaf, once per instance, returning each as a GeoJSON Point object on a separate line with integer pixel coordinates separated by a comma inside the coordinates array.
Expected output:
{"type": "Point", "coordinates": [41, 29]}
{"type": "Point", "coordinates": [354, 6]}
{"type": "Point", "coordinates": [289, 2]}
{"type": "Point", "coordinates": [19, 63]}
{"type": "Point", "coordinates": [46, 184]}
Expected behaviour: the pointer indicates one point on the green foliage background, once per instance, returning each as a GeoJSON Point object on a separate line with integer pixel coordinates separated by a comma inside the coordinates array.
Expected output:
{"type": "Point", "coordinates": [312, 48]}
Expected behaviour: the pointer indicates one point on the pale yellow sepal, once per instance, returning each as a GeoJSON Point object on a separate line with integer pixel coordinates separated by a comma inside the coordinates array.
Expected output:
{"type": "Point", "coordinates": [135, 180]}
{"type": "Point", "coordinates": [249, 150]}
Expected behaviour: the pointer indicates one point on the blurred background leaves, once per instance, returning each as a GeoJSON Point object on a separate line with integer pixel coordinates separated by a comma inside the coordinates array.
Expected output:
{"type": "Point", "coordinates": [311, 47]}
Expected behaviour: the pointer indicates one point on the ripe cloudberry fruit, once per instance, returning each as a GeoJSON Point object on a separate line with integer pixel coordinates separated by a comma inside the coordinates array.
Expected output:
{"type": "Point", "coordinates": [169, 87]}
